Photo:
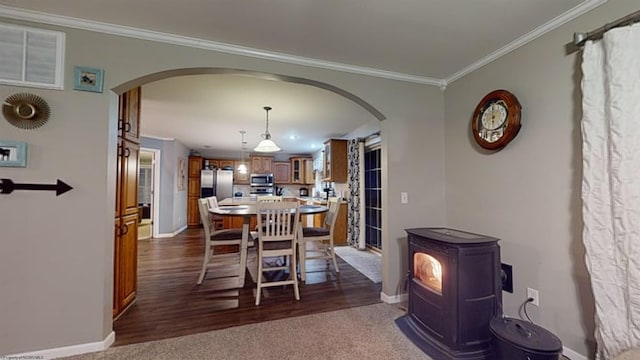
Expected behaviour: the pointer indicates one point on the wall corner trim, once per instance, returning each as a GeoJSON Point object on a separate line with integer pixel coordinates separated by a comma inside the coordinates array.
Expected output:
{"type": "Point", "coordinates": [68, 350]}
{"type": "Point", "coordinates": [393, 299]}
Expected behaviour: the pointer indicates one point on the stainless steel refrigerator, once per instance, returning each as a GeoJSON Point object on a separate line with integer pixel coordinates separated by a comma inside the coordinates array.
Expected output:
{"type": "Point", "coordinates": [216, 182]}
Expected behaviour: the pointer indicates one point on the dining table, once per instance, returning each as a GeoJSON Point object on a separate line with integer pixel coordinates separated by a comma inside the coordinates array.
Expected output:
{"type": "Point", "coordinates": [247, 208]}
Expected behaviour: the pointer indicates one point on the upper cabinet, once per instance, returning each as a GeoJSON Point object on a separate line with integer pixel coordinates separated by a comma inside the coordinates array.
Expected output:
{"type": "Point", "coordinates": [129, 121]}
{"type": "Point", "coordinates": [261, 164]}
{"type": "Point", "coordinates": [302, 170]}
{"type": "Point", "coordinates": [238, 177]}
{"type": "Point", "coordinates": [281, 172]}
{"type": "Point", "coordinates": [335, 161]}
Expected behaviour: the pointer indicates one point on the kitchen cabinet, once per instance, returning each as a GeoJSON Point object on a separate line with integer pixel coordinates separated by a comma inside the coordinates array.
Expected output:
{"type": "Point", "coordinates": [261, 164]}
{"type": "Point", "coordinates": [301, 169]}
{"type": "Point", "coordinates": [281, 172]}
{"type": "Point", "coordinates": [236, 222]}
{"type": "Point", "coordinates": [193, 194]}
{"type": "Point", "coordinates": [238, 177]}
{"type": "Point", "coordinates": [226, 164]}
{"type": "Point", "coordinates": [309, 174]}
{"type": "Point", "coordinates": [335, 160]}
{"type": "Point", "coordinates": [126, 202]}
{"type": "Point", "coordinates": [211, 164]}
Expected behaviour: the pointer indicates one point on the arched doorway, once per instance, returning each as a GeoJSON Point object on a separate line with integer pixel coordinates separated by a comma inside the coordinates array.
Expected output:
{"type": "Point", "coordinates": [213, 71]}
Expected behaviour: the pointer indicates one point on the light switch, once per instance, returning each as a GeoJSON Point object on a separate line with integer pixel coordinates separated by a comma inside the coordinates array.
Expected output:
{"type": "Point", "coordinates": [404, 198]}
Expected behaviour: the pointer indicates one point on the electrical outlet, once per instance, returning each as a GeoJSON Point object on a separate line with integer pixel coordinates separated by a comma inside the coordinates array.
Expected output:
{"type": "Point", "coordinates": [404, 198]}
{"type": "Point", "coordinates": [533, 294]}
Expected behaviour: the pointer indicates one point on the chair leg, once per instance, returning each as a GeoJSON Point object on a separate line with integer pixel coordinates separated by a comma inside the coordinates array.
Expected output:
{"type": "Point", "coordinates": [302, 251]}
{"type": "Point", "coordinates": [333, 255]}
{"type": "Point", "coordinates": [259, 285]}
{"type": "Point", "coordinates": [205, 263]}
{"type": "Point", "coordinates": [292, 273]}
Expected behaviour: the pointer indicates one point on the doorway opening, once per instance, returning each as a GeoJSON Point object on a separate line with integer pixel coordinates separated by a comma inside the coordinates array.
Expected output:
{"type": "Point", "coordinates": [148, 204]}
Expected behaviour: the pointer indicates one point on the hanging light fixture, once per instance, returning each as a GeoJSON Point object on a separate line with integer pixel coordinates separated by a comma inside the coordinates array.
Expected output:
{"type": "Point", "coordinates": [267, 145]}
{"type": "Point", "coordinates": [242, 168]}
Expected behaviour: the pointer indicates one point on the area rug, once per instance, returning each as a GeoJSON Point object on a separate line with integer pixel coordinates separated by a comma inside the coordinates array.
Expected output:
{"type": "Point", "coordinates": [367, 262]}
{"type": "Point", "coordinates": [366, 332]}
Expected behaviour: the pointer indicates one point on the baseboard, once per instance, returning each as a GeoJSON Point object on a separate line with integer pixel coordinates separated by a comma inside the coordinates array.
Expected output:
{"type": "Point", "coordinates": [68, 350]}
{"type": "Point", "coordinates": [393, 299]}
{"type": "Point", "coordinates": [173, 233]}
{"type": "Point", "coordinates": [572, 354]}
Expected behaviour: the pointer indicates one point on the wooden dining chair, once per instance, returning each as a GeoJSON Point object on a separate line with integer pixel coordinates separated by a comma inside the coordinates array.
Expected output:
{"type": "Point", "coordinates": [218, 223]}
{"type": "Point", "coordinates": [213, 238]}
{"type": "Point", "coordinates": [323, 237]}
{"type": "Point", "coordinates": [277, 237]}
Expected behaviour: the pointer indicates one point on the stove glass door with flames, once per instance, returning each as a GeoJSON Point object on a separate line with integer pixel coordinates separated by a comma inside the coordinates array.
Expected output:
{"type": "Point", "coordinates": [428, 271]}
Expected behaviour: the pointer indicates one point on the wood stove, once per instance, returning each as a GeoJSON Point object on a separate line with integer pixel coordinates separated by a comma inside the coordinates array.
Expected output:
{"type": "Point", "coordinates": [454, 289]}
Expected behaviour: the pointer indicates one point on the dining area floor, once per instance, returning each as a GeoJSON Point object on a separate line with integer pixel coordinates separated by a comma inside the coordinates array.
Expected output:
{"type": "Point", "coordinates": [169, 303]}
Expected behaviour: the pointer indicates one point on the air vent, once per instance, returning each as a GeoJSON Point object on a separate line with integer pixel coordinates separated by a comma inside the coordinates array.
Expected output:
{"type": "Point", "coordinates": [31, 57]}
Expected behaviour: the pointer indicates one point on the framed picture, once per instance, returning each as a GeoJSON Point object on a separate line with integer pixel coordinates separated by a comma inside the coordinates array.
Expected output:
{"type": "Point", "coordinates": [88, 79]}
{"type": "Point", "coordinates": [181, 173]}
{"type": "Point", "coordinates": [13, 153]}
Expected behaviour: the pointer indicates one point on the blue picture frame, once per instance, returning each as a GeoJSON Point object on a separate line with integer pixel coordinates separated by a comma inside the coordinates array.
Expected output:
{"type": "Point", "coordinates": [88, 79]}
{"type": "Point", "coordinates": [13, 153]}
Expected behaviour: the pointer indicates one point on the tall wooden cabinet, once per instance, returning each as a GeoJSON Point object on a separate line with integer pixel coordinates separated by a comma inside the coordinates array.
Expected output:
{"type": "Point", "coordinates": [335, 160]}
{"type": "Point", "coordinates": [126, 214]}
{"type": "Point", "coordinates": [193, 190]}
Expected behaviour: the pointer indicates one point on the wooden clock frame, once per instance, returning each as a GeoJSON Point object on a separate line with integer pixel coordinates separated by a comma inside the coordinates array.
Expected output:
{"type": "Point", "coordinates": [512, 123]}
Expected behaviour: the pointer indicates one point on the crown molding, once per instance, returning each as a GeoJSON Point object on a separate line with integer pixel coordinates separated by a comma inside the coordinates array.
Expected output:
{"type": "Point", "coordinates": [157, 137]}
{"type": "Point", "coordinates": [537, 32]}
{"type": "Point", "coordinates": [40, 17]}
{"type": "Point", "coordinates": [75, 23]}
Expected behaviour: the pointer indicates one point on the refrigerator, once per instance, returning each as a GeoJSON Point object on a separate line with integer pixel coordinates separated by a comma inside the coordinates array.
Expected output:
{"type": "Point", "coordinates": [216, 182]}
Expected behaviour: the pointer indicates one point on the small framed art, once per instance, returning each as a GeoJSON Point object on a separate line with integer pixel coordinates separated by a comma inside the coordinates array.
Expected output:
{"type": "Point", "coordinates": [13, 153]}
{"type": "Point", "coordinates": [88, 79]}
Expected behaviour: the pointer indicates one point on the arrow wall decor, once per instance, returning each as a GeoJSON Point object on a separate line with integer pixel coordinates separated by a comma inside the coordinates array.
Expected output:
{"type": "Point", "coordinates": [7, 187]}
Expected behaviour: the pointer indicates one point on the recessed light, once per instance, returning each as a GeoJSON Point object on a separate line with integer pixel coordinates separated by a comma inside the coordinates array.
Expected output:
{"type": "Point", "coordinates": [292, 137]}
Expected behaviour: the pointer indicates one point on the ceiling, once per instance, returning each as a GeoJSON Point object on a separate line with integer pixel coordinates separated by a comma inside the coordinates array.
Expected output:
{"type": "Point", "coordinates": [429, 41]}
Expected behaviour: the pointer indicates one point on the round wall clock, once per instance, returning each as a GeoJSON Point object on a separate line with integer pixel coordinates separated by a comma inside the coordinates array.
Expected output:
{"type": "Point", "coordinates": [496, 120]}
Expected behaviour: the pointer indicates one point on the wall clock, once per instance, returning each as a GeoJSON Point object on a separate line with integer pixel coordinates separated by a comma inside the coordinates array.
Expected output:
{"type": "Point", "coordinates": [496, 120]}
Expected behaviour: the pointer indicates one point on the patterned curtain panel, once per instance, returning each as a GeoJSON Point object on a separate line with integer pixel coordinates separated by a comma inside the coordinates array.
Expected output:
{"type": "Point", "coordinates": [353, 233]}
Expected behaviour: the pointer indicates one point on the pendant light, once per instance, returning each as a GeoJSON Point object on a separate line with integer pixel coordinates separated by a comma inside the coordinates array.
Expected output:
{"type": "Point", "coordinates": [242, 168]}
{"type": "Point", "coordinates": [267, 145]}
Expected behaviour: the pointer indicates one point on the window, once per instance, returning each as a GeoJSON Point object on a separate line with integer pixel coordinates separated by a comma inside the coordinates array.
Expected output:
{"type": "Point", "coordinates": [31, 57]}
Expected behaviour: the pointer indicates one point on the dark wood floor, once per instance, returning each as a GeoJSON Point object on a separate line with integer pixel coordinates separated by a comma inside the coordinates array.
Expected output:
{"type": "Point", "coordinates": [170, 304]}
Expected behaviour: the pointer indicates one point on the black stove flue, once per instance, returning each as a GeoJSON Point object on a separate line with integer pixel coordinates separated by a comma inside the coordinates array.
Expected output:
{"type": "Point", "coordinates": [454, 291]}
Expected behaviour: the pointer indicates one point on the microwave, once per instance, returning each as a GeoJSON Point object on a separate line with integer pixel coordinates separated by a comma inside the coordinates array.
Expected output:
{"type": "Point", "coordinates": [261, 180]}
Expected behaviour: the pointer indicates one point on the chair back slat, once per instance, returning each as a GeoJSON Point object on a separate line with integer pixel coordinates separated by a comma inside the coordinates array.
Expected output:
{"type": "Point", "coordinates": [278, 220]}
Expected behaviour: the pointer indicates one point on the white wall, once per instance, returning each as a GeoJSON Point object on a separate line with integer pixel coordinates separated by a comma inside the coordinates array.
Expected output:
{"type": "Point", "coordinates": [528, 194]}
{"type": "Point", "coordinates": [56, 253]}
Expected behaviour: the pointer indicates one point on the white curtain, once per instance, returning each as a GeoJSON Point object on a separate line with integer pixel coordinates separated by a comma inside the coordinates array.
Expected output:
{"type": "Point", "coordinates": [611, 185]}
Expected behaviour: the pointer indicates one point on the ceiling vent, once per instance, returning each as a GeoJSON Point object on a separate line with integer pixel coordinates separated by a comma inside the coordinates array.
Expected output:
{"type": "Point", "coordinates": [31, 57]}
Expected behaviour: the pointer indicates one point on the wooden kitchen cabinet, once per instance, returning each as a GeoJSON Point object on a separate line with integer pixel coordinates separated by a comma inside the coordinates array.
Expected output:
{"type": "Point", "coordinates": [236, 222]}
{"type": "Point", "coordinates": [239, 178]}
{"type": "Point", "coordinates": [193, 186]}
{"type": "Point", "coordinates": [125, 263]}
{"type": "Point", "coordinates": [281, 172]}
{"type": "Point", "coordinates": [261, 164]}
{"type": "Point", "coordinates": [195, 165]}
{"type": "Point", "coordinates": [125, 259]}
{"type": "Point", "coordinates": [335, 161]}
{"type": "Point", "coordinates": [301, 169]}
{"type": "Point", "coordinates": [227, 164]}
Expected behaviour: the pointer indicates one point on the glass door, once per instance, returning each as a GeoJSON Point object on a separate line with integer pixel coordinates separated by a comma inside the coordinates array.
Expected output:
{"type": "Point", "coordinates": [373, 196]}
